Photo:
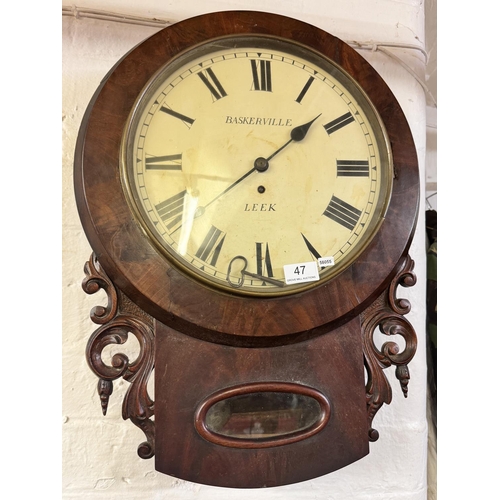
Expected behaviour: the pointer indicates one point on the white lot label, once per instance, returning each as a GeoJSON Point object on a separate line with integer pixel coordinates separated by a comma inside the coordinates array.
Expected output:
{"type": "Point", "coordinates": [300, 273]}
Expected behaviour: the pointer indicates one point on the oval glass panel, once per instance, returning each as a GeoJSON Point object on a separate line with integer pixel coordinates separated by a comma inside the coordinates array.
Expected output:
{"type": "Point", "coordinates": [263, 415]}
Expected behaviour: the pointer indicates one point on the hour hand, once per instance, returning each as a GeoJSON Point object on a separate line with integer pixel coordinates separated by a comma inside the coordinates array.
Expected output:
{"type": "Point", "coordinates": [297, 134]}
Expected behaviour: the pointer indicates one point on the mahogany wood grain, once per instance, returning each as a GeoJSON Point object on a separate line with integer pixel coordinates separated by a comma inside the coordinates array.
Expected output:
{"type": "Point", "coordinates": [204, 342]}
{"type": "Point", "coordinates": [331, 364]}
{"type": "Point", "coordinates": [155, 284]}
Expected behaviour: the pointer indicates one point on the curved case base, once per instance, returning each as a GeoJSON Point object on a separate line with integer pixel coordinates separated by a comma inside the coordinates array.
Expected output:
{"type": "Point", "coordinates": [188, 371]}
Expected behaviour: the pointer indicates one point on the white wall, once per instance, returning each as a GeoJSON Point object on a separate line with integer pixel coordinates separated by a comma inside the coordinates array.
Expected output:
{"type": "Point", "coordinates": [99, 453]}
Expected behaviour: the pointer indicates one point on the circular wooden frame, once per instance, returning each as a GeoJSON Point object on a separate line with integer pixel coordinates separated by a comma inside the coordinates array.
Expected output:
{"type": "Point", "coordinates": [135, 265]}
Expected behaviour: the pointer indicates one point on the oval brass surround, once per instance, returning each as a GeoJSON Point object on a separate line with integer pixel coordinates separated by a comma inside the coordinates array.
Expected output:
{"type": "Point", "coordinates": [266, 442]}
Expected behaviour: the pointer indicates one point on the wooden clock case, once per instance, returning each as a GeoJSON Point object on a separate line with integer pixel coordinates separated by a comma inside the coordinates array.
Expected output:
{"type": "Point", "coordinates": [202, 341]}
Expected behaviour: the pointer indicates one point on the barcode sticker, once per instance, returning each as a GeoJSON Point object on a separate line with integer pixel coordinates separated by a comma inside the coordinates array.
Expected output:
{"type": "Point", "coordinates": [325, 261]}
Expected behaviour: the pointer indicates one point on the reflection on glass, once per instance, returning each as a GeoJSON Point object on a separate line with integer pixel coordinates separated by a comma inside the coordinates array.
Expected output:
{"type": "Point", "coordinates": [262, 415]}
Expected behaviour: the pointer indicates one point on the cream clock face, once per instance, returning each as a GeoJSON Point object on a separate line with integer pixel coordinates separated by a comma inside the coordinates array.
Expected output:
{"type": "Point", "coordinates": [256, 166]}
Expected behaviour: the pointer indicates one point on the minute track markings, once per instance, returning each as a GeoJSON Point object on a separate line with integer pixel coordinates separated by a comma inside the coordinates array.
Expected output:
{"type": "Point", "coordinates": [204, 246]}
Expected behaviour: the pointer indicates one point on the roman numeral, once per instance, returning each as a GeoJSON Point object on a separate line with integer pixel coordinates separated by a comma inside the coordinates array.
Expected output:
{"type": "Point", "coordinates": [264, 267]}
{"type": "Point", "coordinates": [261, 75]}
{"type": "Point", "coordinates": [343, 213]}
{"type": "Point", "coordinates": [210, 80]}
{"type": "Point", "coordinates": [311, 249]}
{"type": "Point", "coordinates": [304, 90]}
{"type": "Point", "coordinates": [211, 246]}
{"type": "Point", "coordinates": [188, 121]}
{"type": "Point", "coordinates": [171, 209]}
{"type": "Point", "coordinates": [168, 162]}
{"type": "Point", "coordinates": [353, 168]}
{"type": "Point", "coordinates": [338, 123]}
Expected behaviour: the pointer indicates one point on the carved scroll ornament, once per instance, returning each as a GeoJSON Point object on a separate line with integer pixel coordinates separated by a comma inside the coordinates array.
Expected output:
{"type": "Point", "coordinates": [119, 318]}
{"type": "Point", "coordinates": [386, 313]}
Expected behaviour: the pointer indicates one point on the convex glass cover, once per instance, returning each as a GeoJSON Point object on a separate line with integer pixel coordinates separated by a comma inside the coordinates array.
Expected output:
{"type": "Point", "coordinates": [249, 158]}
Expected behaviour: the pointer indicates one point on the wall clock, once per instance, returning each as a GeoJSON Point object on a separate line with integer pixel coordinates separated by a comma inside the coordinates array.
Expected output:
{"type": "Point", "coordinates": [249, 186]}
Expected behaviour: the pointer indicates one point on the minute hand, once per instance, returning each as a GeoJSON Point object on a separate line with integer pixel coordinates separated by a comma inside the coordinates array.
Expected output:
{"type": "Point", "coordinates": [228, 188]}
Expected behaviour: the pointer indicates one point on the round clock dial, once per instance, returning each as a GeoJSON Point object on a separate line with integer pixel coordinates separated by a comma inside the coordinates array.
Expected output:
{"type": "Point", "coordinates": [248, 158]}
